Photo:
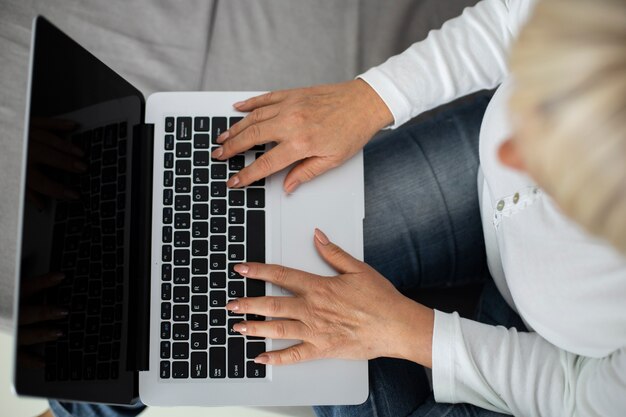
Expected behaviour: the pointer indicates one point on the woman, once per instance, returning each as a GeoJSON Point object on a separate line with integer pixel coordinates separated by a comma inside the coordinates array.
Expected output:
{"type": "Point", "coordinates": [423, 226]}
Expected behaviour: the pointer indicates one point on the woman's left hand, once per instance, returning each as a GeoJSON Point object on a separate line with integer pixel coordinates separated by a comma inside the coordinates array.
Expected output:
{"type": "Point", "coordinates": [356, 315]}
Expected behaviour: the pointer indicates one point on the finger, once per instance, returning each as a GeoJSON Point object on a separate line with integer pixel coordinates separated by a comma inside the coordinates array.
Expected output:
{"type": "Point", "coordinates": [294, 354]}
{"type": "Point", "coordinates": [257, 134]}
{"type": "Point", "coordinates": [41, 282]}
{"type": "Point", "coordinates": [54, 124]}
{"type": "Point", "coordinates": [38, 314]}
{"type": "Point", "coordinates": [336, 257]}
{"type": "Point", "coordinates": [274, 329]}
{"type": "Point", "coordinates": [32, 336]}
{"type": "Point", "coordinates": [290, 279]}
{"type": "Point", "coordinates": [52, 140]}
{"type": "Point", "coordinates": [284, 307]}
{"type": "Point", "coordinates": [263, 100]}
{"type": "Point", "coordinates": [267, 164]}
{"type": "Point", "coordinates": [305, 171]}
{"type": "Point", "coordinates": [256, 116]}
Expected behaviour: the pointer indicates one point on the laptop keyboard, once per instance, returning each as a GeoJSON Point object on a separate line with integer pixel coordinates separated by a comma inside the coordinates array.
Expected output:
{"type": "Point", "coordinates": [88, 244]}
{"type": "Point", "coordinates": [207, 230]}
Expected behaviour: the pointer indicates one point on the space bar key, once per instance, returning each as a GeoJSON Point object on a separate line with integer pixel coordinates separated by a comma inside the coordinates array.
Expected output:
{"type": "Point", "coordinates": [255, 236]}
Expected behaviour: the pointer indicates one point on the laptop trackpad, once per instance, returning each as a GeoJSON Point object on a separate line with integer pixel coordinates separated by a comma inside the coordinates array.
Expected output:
{"type": "Point", "coordinates": [333, 213]}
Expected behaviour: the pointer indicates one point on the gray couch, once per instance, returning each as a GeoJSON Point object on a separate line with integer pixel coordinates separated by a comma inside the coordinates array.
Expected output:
{"type": "Point", "coordinates": [199, 45]}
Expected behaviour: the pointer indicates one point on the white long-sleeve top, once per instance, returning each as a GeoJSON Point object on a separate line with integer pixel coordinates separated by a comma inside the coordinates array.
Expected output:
{"type": "Point", "coordinates": [568, 287]}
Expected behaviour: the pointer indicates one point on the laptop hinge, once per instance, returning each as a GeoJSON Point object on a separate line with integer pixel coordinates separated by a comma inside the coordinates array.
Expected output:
{"type": "Point", "coordinates": [140, 247]}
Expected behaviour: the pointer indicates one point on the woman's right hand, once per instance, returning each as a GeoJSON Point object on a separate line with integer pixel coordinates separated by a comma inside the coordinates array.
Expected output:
{"type": "Point", "coordinates": [321, 127]}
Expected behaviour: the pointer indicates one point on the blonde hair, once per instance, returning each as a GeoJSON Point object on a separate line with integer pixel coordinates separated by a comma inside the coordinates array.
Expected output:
{"type": "Point", "coordinates": [569, 69]}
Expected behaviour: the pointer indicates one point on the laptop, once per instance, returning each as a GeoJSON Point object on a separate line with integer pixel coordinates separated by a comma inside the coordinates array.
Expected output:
{"type": "Point", "coordinates": [128, 236]}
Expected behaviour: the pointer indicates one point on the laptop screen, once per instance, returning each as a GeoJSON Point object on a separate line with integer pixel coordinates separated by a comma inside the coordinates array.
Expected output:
{"type": "Point", "coordinates": [74, 267]}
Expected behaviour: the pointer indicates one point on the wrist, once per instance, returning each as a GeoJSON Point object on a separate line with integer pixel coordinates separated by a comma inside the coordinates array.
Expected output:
{"type": "Point", "coordinates": [414, 334]}
{"type": "Point", "coordinates": [375, 112]}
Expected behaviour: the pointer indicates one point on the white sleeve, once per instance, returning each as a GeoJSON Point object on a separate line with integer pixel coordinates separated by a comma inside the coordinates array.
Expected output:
{"type": "Point", "coordinates": [521, 373]}
{"type": "Point", "coordinates": [469, 53]}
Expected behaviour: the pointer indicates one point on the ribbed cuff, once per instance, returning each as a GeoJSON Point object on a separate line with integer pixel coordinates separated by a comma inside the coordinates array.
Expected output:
{"type": "Point", "coordinates": [444, 335]}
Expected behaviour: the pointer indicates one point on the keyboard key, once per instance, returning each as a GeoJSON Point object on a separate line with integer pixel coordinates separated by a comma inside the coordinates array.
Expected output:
{"type": "Point", "coordinates": [219, 127]}
{"type": "Point", "coordinates": [201, 124]}
{"type": "Point", "coordinates": [182, 203]}
{"type": "Point", "coordinates": [180, 369]}
{"type": "Point", "coordinates": [167, 215]}
{"type": "Point", "coordinates": [255, 236]}
{"type": "Point", "coordinates": [235, 252]}
{"type": "Point", "coordinates": [217, 336]}
{"type": "Point", "coordinates": [181, 239]}
{"type": "Point", "coordinates": [232, 274]}
{"type": "Point", "coordinates": [165, 370]}
{"type": "Point", "coordinates": [201, 141]}
{"type": "Point", "coordinates": [180, 350]}
{"type": "Point", "coordinates": [199, 365]}
{"type": "Point", "coordinates": [183, 185]}
{"type": "Point", "coordinates": [200, 193]}
{"type": "Point", "coordinates": [181, 276]}
{"type": "Point", "coordinates": [166, 330]}
{"type": "Point", "coordinates": [235, 357]}
{"type": "Point", "coordinates": [181, 313]}
{"type": "Point", "coordinates": [254, 349]}
{"type": "Point", "coordinates": [183, 150]}
{"type": "Point", "coordinates": [218, 261]}
{"type": "Point", "coordinates": [234, 120]}
{"type": "Point", "coordinates": [218, 207]}
{"type": "Point", "coordinates": [217, 317]}
{"type": "Point", "coordinates": [165, 350]}
{"type": "Point", "coordinates": [231, 323]}
{"type": "Point", "coordinates": [168, 178]}
{"type": "Point", "coordinates": [182, 221]}
{"type": "Point", "coordinates": [218, 189]}
{"type": "Point", "coordinates": [199, 266]}
{"type": "Point", "coordinates": [218, 225]}
{"type": "Point", "coordinates": [255, 288]}
{"type": "Point", "coordinates": [167, 197]}
{"type": "Point", "coordinates": [235, 233]}
{"type": "Point", "coordinates": [255, 197]}
{"type": "Point", "coordinates": [167, 234]}
{"type": "Point", "coordinates": [201, 158]}
{"type": "Point", "coordinates": [201, 176]}
{"type": "Point", "coordinates": [255, 370]}
{"type": "Point", "coordinates": [200, 247]}
{"type": "Point", "coordinates": [166, 291]}
{"type": "Point", "coordinates": [180, 331]}
{"type": "Point", "coordinates": [181, 257]}
{"type": "Point", "coordinates": [169, 142]}
{"type": "Point", "coordinates": [183, 128]}
{"type": "Point", "coordinates": [181, 294]}
{"type": "Point", "coordinates": [166, 253]}
{"type": "Point", "coordinates": [217, 280]}
{"type": "Point", "coordinates": [166, 273]}
{"type": "Point", "coordinates": [199, 285]}
{"type": "Point", "coordinates": [217, 298]}
{"type": "Point", "coordinates": [217, 362]}
{"type": "Point", "coordinates": [235, 216]}
{"type": "Point", "coordinates": [236, 197]}
{"type": "Point", "coordinates": [200, 211]}
{"type": "Point", "coordinates": [218, 171]}
{"type": "Point", "coordinates": [183, 167]}
{"type": "Point", "coordinates": [199, 303]}
{"type": "Point", "coordinates": [169, 124]}
{"type": "Point", "coordinates": [236, 163]}
{"type": "Point", "coordinates": [168, 160]}
{"type": "Point", "coordinates": [235, 289]}
{"type": "Point", "coordinates": [198, 341]}
{"type": "Point", "coordinates": [218, 243]}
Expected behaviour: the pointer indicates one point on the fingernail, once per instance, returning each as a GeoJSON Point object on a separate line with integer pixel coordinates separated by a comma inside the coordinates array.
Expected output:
{"type": "Point", "coordinates": [262, 358]}
{"type": "Point", "coordinates": [321, 237]}
{"type": "Point", "coordinates": [240, 327]}
{"type": "Point", "coordinates": [233, 181]}
{"type": "Point", "coordinates": [241, 268]}
{"type": "Point", "coordinates": [291, 187]}
{"type": "Point", "coordinates": [217, 153]}
{"type": "Point", "coordinates": [71, 194]}
{"type": "Point", "coordinates": [233, 305]}
{"type": "Point", "coordinates": [80, 166]}
{"type": "Point", "coordinates": [239, 104]}
{"type": "Point", "coordinates": [62, 313]}
{"type": "Point", "coordinates": [221, 138]}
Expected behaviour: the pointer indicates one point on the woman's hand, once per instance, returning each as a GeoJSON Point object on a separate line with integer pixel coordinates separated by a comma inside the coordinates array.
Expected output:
{"type": "Point", "coordinates": [356, 315]}
{"type": "Point", "coordinates": [319, 126]}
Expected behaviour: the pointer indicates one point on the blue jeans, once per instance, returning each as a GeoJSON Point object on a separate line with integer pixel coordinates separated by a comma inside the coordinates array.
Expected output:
{"type": "Point", "coordinates": [422, 230]}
